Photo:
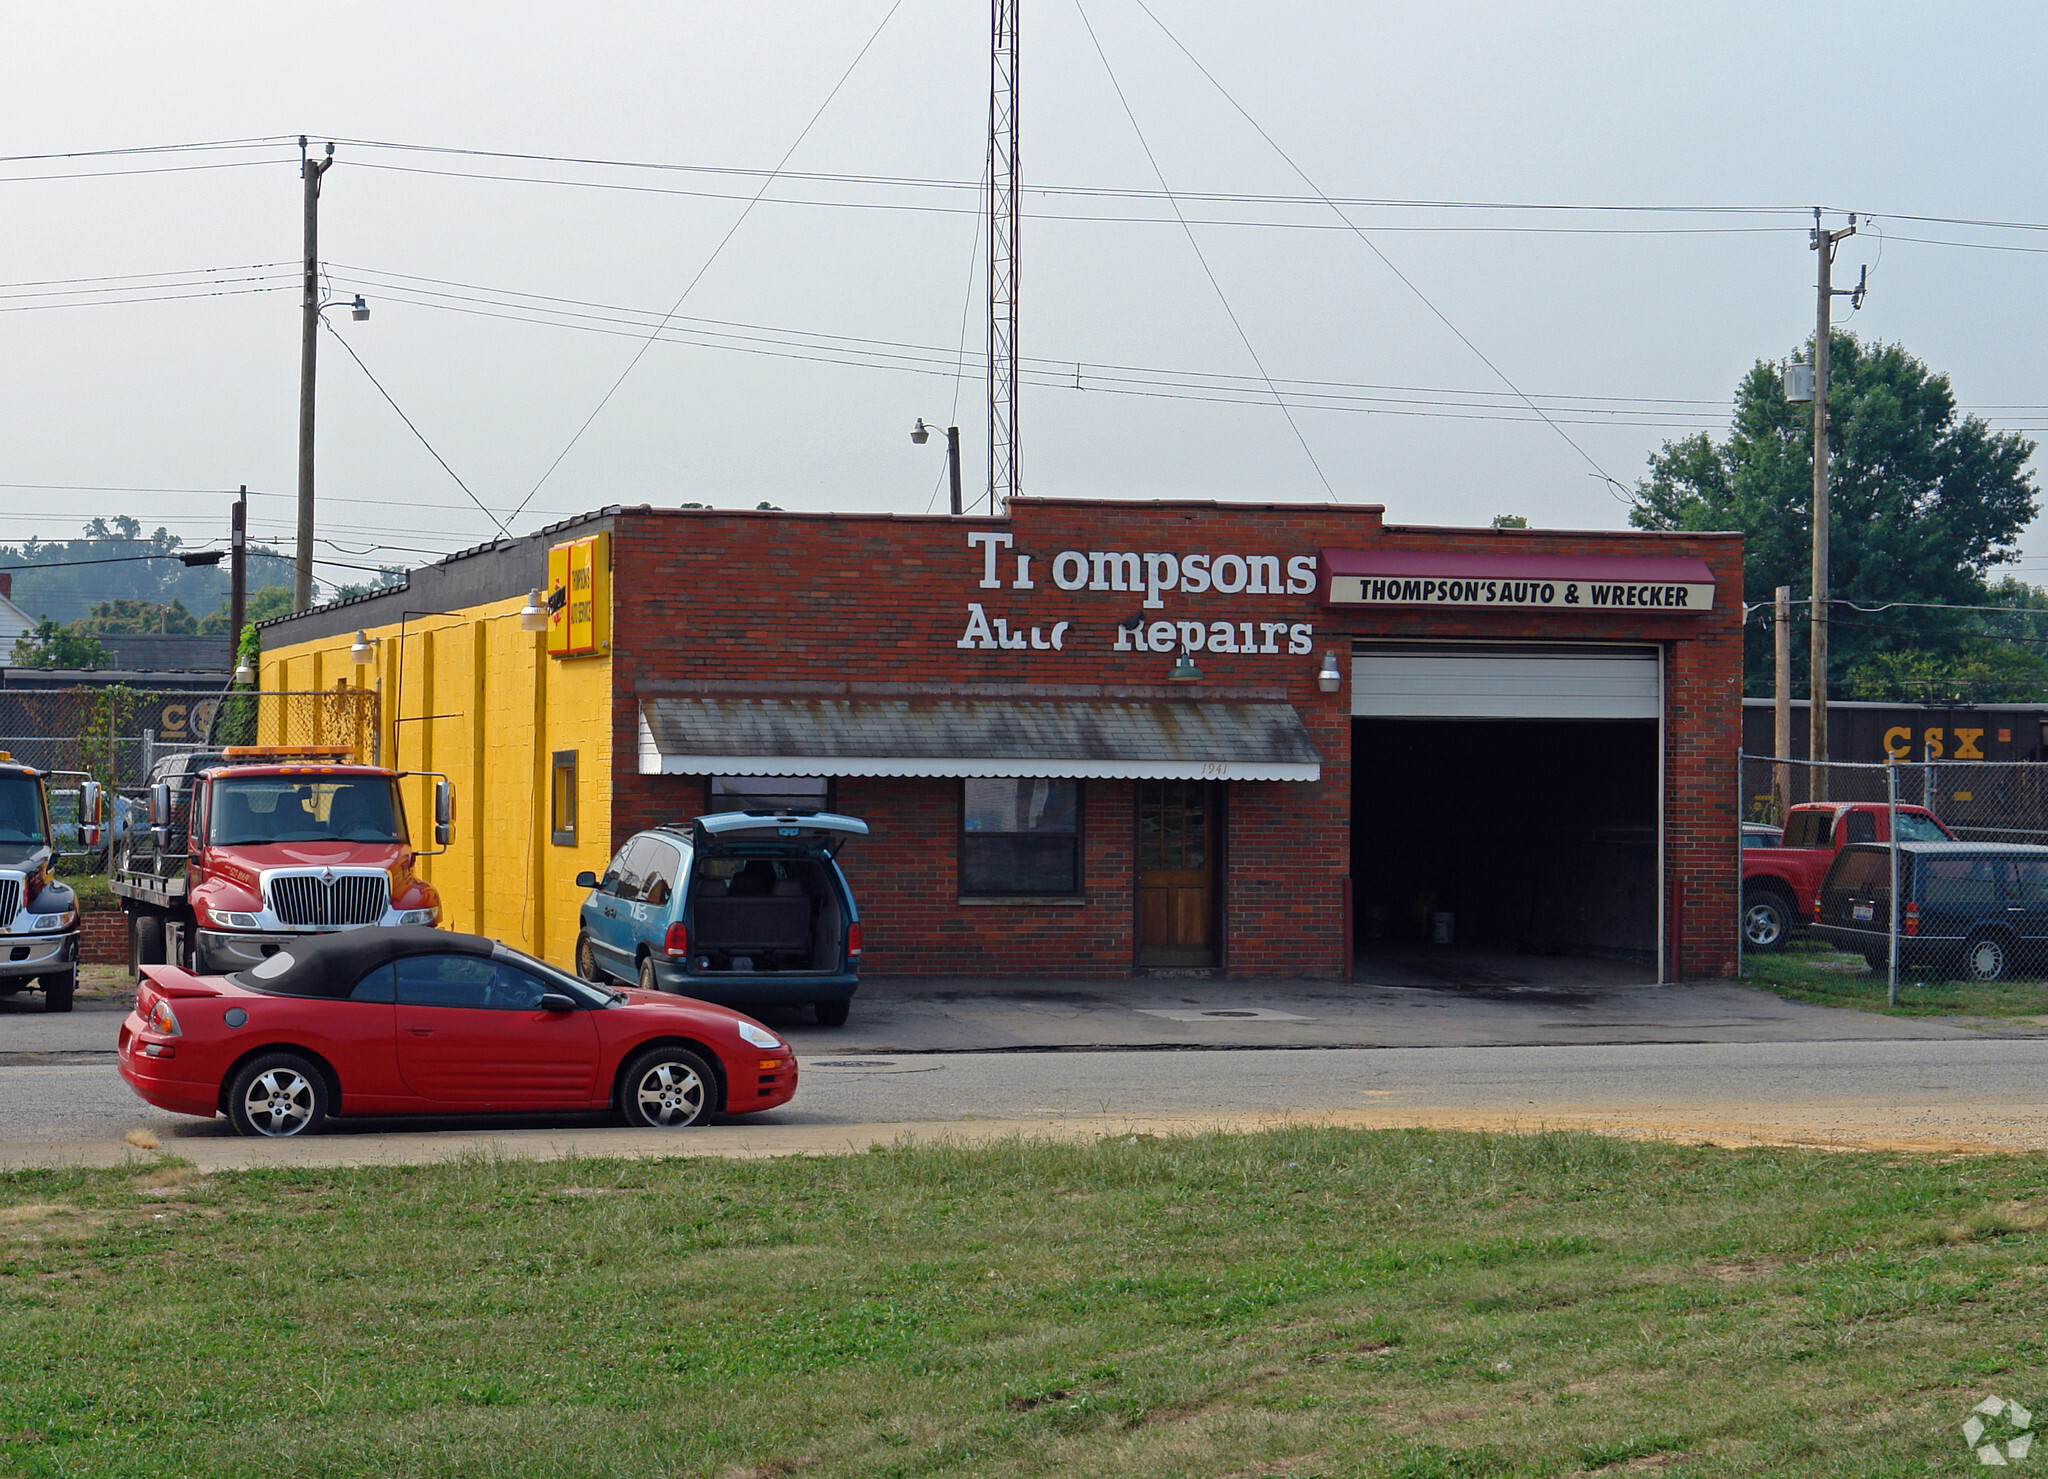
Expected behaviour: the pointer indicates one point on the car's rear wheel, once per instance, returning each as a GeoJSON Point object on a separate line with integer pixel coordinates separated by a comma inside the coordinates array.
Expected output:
{"type": "Point", "coordinates": [832, 1013]}
{"type": "Point", "coordinates": [586, 960]}
{"type": "Point", "coordinates": [1987, 956]}
{"type": "Point", "coordinates": [59, 989]}
{"type": "Point", "coordinates": [277, 1095]}
{"type": "Point", "coordinates": [667, 1088]}
{"type": "Point", "coordinates": [1766, 920]}
{"type": "Point", "coordinates": [647, 977]}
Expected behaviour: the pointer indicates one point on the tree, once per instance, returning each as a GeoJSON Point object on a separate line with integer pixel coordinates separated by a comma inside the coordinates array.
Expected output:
{"type": "Point", "coordinates": [389, 577]}
{"type": "Point", "coordinates": [114, 559]}
{"type": "Point", "coordinates": [1922, 505]}
{"type": "Point", "coordinates": [1510, 521]}
{"type": "Point", "coordinates": [272, 600]}
{"type": "Point", "coordinates": [111, 618]}
{"type": "Point", "coordinates": [51, 646]}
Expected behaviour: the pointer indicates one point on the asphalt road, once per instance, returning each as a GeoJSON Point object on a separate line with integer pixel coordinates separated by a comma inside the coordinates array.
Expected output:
{"type": "Point", "coordinates": [1553, 1045]}
{"type": "Point", "coordinates": [1969, 1095]}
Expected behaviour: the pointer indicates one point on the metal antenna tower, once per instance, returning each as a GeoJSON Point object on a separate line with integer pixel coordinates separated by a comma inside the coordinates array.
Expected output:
{"type": "Point", "coordinates": [1003, 219]}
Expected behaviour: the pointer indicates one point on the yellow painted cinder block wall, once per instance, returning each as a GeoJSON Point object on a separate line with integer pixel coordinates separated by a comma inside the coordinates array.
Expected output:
{"type": "Point", "coordinates": [472, 696]}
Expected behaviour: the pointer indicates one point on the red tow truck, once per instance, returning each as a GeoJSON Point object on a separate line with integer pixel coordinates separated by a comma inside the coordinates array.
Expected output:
{"type": "Point", "coordinates": [1780, 885]}
{"type": "Point", "coordinates": [254, 846]}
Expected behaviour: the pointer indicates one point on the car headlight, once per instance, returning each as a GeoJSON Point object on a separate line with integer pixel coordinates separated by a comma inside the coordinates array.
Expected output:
{"type": "Point", "coordinates": [58, 921]}
{"type": "Point", "coordinates": [232, 919]}
{"type": "Point", "coordinates": [419, 916]}
{"type": "Point", "coordinates": [760, 1037]}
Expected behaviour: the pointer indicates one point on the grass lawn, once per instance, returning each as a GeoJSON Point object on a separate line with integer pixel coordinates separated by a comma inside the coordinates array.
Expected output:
{"type": "Point", "coordinates": [1304, 1302]}
{"type": "Point", "coordinates": [1806, 970]}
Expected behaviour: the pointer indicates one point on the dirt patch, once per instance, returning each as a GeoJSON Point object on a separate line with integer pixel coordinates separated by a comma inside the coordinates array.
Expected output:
{"type": "Point", "coordinates": [1742, 1270]}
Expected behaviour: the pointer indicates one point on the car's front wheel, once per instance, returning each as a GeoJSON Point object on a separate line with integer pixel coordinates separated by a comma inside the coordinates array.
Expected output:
{"type": "Point", "coordinates": [1987, 956]}
{"type": "Point", "coordinates": [667, 1088]}
{"type": "Point", "coordinates": [1766, 920]}
{"type": "Point", "coordinates": [276, 1095]}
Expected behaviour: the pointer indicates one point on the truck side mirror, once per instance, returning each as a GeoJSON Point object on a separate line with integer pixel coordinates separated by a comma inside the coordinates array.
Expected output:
{"type": "Point", "coordinates": [160, 814]}
{"type": "Point", "coordinates": [89, 813]}
{"type": "Point", "coordinates": [444, 803]}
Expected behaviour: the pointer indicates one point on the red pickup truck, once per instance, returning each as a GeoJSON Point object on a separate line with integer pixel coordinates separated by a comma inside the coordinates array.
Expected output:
{"type": "Point", "coordinates": [1780, 884]}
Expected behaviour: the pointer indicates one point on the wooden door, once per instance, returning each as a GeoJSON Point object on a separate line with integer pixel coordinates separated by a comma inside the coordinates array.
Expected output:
{"type": "Point", "coordinates": [1176, 873]}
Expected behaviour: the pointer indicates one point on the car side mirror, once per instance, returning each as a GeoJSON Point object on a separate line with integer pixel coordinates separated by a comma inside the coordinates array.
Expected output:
{"type": "Point", "coordinates": [555, 1001]}
{"type": "Point", "coordinates": [586, 879]}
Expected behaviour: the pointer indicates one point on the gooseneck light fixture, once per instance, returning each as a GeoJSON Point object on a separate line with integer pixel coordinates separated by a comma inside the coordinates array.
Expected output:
{"type": "Point", "coordinates": [1184, 669]}
{"type": "Point", "coordinates": [533, 617]}
{"type": "Point", "coordinates": [363, 650]}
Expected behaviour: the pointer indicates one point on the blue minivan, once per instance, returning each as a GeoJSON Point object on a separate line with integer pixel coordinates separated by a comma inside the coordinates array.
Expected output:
{"type": "Point", "coordinates": [744, 908]}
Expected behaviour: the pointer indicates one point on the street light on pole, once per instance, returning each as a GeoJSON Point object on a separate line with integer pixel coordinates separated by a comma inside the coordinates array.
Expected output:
{"type": "Point", "coordinates": [921, 433]}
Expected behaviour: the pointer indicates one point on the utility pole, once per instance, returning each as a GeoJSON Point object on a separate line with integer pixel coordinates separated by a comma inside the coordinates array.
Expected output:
{"type": "Point", "coordinates": [238, 578]}
{"type": "Point", "coordinates": [1824, 242]}
{"type": "Point", "coordinates": [1781, 778]}
{"type": "Point", "coordinates": [311, 171]}
{"type": "Point", "coordinates": [1004, 219]}
{"type": "Point", "coordinates": [953, 463]}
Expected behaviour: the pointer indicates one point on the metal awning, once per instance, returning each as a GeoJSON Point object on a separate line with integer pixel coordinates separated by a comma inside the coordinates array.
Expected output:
{"type": "Point", "coordinates": [1088, 738]}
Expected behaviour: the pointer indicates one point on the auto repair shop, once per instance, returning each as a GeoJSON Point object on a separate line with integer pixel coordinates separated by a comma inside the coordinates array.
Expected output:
{"type": "Point", "coordinates": [1092, 738]}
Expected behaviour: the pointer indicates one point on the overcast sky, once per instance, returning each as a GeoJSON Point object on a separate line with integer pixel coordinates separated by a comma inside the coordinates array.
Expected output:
{"type": "Point", "coordinates": [837, 308]}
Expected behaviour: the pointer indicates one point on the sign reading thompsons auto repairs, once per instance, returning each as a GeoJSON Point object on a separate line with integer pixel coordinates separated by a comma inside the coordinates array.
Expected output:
{"type": "Point", "coordinates": [1682, 587]}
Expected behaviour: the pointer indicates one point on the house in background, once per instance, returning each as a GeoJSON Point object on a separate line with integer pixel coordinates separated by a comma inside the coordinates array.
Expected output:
{"type": "Point", "coordinates": [14, 622]}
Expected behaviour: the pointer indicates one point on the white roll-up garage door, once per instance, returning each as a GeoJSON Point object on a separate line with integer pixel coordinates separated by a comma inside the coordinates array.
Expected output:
{"type": "Point", "coordinates": [1426, 681]}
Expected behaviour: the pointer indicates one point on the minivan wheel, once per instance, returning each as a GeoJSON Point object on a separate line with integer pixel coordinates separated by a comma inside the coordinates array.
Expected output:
{"type": "Point", "coordinates": [832, 1013]}
{"type": "Point", "coordinates": [1987, 957]}
{"type": "Point", "coordinates": [1766, 920]}
{"type": "Point", "coordinates": [647, 979]}
{"type": "Point", "coordinates": [586, 959]}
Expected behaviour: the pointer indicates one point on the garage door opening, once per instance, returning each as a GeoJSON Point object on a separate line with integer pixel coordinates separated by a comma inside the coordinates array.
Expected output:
{"type": "Point", "coordinates": [1525, 829]}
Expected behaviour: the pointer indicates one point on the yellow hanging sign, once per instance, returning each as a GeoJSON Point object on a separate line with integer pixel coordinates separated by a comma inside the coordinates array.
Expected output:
{"type": "Point", "coordinates": [579, 597]}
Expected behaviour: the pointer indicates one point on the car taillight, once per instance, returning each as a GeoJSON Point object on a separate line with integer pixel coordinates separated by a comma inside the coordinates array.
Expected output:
{"type": "Point", "coordinates": [676, 943]}
{"type": "Point", "coordinates": [853, 941]}
{"type": "Point", "coordinates": [1912, 926]}
{"type": "Point", "coordinates": [162, 1019]}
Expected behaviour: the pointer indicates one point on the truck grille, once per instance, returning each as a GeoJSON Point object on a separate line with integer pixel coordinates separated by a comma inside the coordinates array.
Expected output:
{"type": "Point", "coordinates": [325, 902]}
{"type": "Point", "coordinates": [10, 900]}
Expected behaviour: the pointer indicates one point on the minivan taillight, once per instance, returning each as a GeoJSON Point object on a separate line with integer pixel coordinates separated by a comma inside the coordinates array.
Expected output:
{"type": "Point", "coordinates": [1912, 926]}
{"type": "Point", "coordinates": [853, 941]}
{"type": "Point", "coordinates": [676, 943]}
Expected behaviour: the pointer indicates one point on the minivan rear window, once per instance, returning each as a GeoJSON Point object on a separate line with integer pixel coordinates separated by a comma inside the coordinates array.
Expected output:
{"type": "Point", "coordinates": [1859, 872]}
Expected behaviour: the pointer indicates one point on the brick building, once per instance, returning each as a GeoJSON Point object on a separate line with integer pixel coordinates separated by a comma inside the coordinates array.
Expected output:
{"type": "Point", "coordinates": [1092, 737]}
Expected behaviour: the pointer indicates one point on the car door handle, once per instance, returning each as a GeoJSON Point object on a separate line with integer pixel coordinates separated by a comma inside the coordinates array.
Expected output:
{"type": "Point", "coordinates": [421, 1031]}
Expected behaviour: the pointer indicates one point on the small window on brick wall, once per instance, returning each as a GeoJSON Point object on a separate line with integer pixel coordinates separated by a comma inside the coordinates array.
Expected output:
{"type": "Point", "coordinates": [1020, 837]}
{"type": "Point", "coordinates": [562, 799]}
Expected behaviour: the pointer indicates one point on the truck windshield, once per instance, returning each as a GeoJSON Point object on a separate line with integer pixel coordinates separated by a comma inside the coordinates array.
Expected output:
{"type": "Point", "coordinates": [1916, 828]}
{"type": "Point", "coordinates": [21, 810]}
{"type": "Point", "coordinates": [284, 808]}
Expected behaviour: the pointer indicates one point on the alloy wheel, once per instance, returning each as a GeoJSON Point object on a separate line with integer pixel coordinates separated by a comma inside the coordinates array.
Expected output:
{"type": "Point", "coordinates": [279, 1102]}
{"type": "Point", "coordinates": [670, 1093]}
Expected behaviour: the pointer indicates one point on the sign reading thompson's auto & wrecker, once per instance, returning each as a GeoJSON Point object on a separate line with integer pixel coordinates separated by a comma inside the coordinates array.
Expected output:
{"type": "Point", "coordinates": [1516, 582]}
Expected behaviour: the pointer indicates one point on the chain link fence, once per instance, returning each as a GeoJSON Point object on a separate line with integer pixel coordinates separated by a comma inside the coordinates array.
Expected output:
{"type": "Point", "coordinates": [116, 734]}
{"type": "Point", "coordinates": [1931, 871]}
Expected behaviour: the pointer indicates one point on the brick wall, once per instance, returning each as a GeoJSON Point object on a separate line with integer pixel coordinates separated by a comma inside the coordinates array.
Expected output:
{"type": "Point", "coordinates": [793, 604]}
{"type": "Point", "coordinates": [102, 937]}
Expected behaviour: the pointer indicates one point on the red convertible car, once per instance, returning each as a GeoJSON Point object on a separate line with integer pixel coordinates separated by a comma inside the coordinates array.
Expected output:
{"type": "Point", "coordinates": [423, 1021]}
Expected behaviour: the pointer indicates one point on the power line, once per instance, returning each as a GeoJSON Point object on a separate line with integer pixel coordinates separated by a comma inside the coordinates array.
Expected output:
{"type": "Point", "coordinates": [1207, 271]}
{"type": "Point", "coordinates": [414, 429]}
{"type": "Point", "coordinates": [1611, 483]}
{"type": "Point", "coordinates": [690, 287]}
{"type": "Point", "coordinates": [248, 143]}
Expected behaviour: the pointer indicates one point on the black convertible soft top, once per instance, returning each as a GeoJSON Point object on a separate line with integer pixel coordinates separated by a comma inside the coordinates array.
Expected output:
{"type": "Point", "coordinates": [330, 965]}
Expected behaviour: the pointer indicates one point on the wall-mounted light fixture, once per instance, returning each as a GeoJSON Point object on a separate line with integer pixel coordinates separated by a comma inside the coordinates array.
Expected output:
{"type": "Point", "coordinates": [363, 650]}
{"type": "Point", "coordinates": [1328, 677]}
{"type": "Point", "coordinates": [533, 617]}
{"type": "Point", "coordinates": [244, 673]}
{"type": "Point", "coordinates": [1184, 669]}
